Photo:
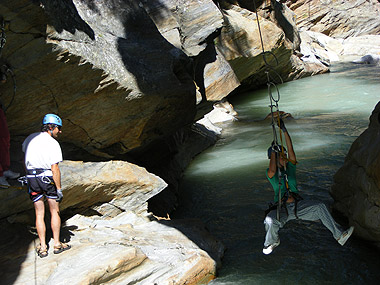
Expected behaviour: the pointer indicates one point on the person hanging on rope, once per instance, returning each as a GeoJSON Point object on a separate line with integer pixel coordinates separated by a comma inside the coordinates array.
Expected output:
{"type": "Point", "coordinates": [282, 175]}
{"type": "Point", "coordinates": [42, 156]}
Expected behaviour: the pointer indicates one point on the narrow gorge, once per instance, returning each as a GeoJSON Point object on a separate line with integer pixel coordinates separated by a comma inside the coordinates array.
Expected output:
{"type": "Point", "coordinates": [141, 87]}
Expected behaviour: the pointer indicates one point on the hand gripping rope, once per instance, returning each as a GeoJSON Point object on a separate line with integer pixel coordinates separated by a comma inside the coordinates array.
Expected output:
{"type": "Point", "coordinates": [273, 109]}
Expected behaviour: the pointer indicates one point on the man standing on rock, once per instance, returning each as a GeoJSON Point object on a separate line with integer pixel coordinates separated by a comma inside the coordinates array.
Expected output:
{"type": "Point", "coordinates": [292, 205]}
{"type": "Point", "coordinates": [42, 155]}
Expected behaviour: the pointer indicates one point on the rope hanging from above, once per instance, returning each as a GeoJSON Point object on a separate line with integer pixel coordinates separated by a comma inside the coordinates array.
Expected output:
{"type": "Point", "coordinates": [274, 108]}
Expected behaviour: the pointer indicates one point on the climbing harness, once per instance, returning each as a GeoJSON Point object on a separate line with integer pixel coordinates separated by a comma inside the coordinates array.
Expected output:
{"type": "Point", "coordinates": [274, 109]}
{"type": "Point", "coordinates": [43, 174]}
{"type": "Point", "coordinates": [23, 181]}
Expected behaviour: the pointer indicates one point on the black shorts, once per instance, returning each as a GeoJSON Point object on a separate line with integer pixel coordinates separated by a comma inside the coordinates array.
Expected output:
{"type": "Point", "coordinates": [40, 186]}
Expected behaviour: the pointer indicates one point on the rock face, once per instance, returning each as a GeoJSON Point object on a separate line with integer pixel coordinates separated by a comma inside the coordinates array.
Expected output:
{"type": "Point", "coordinates": [240, 43]}
{"type": "Point", "coordinates": [356, 188]}
{"type": "Point", "coordinates": [105, 69]}
{"type": "Point", "coordinates": [114, 239]}
{"type": "Point", "coordinates": [123, 250]}
{"type": "Point", "coordinates": [321, 49]}
{"type": "Point", "coordinates": [338, 19]}
{"type": "Point", "coordinates": [124, 75]}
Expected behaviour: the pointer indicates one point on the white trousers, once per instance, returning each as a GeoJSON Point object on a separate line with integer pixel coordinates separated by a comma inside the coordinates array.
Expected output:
{"type": "Point", "coordinates": [306, 210]}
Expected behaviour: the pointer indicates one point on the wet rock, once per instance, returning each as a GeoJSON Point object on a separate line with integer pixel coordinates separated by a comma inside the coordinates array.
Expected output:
{"type": "Point", "coordinates": [222, 112]}
{"type": "Point", "coordinates": [368, 59]}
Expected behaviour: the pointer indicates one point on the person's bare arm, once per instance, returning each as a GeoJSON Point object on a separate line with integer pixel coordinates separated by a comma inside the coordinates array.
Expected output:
{"type": "Point", "coordinates": [272, 165]}
{"type": "Point", "coordinates": [289, 145]}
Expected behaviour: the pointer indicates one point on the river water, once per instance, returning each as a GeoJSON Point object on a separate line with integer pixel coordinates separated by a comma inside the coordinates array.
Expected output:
{"type": "Point", "coordinates": [226, 187]}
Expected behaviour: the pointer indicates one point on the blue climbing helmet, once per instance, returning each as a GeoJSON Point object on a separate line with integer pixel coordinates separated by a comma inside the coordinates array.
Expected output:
{"type": "Point", "coordinates": [52, 119]}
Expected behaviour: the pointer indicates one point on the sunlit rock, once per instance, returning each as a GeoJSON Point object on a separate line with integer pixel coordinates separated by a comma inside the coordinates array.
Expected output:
{"type": "Point", "coordinates": [113, 238]}
{"type": "Point", "coordinates": [123, 250]}
{"type": "Point", "coordinates": [186, 24]}
{"type": "Point", "coordinates": [338, 19]}
{"type": "Point", "coordinates": [319, 48]}
{"type": "Point", "coordinates": [355, 47]}
{"type": "Point", "coordinates": [192, 26]}
{"type": "Point", "coordinates": [121, 185]}
{"type": "Point", "coordinates": [240, 43]}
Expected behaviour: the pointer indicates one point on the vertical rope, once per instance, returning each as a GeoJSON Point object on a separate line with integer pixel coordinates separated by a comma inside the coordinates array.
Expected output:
{"type": "Point", "coordinates": [273, 105]}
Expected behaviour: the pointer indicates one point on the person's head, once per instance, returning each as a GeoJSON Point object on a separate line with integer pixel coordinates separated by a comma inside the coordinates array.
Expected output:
{"type": "Point", "coordinates": [278, 149]}
{"type": "Point", "coordinates": [52, 124]}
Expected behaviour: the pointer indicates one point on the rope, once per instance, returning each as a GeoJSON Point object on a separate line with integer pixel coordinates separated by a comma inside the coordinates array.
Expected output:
{"type": "Point", "coordinates": [274, 109]}
{"type": "Point", "coordinates": [12, 187]}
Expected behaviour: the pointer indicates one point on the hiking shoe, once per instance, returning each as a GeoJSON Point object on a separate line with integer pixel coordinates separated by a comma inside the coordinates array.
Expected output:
{"type": "Point", "coordinates": [345, 236]}
{"type": "Point", "coordinates": [269, 248]}
{"type": "Point", "coordinates": [4, 182]}
{"type": "Point", "coordinates": [11, 175]}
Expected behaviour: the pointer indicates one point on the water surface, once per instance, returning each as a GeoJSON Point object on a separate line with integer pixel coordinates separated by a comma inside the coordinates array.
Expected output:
{"type": "Point", "coordinates": [226, 187]}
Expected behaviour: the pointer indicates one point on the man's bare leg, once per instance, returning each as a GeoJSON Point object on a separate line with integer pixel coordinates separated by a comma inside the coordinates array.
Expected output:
{"type": "Point", "coordinates": [55, 220]}
{"type": "Point", "coordinates": [39, 208]}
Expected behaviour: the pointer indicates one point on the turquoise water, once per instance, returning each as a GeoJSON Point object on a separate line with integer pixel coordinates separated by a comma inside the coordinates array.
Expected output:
{"type": "Point", "coordinates": [226, 187]}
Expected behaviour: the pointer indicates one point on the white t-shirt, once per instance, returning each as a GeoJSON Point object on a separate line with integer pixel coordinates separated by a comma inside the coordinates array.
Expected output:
{"type": "Point", "coordinates": [41, 151]}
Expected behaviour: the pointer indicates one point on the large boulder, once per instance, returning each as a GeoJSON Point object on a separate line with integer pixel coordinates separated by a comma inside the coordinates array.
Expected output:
{"type": "Point", "coordinates": [125, 249]}
{"type": "Point", "coordinates": [120, 185]}
{"type": "Point", "coordinates": [356, 188]}
{"type": "Point", "coordinates": [242, 43]}
{"type": "Point", "coordinates": [114, 239]}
